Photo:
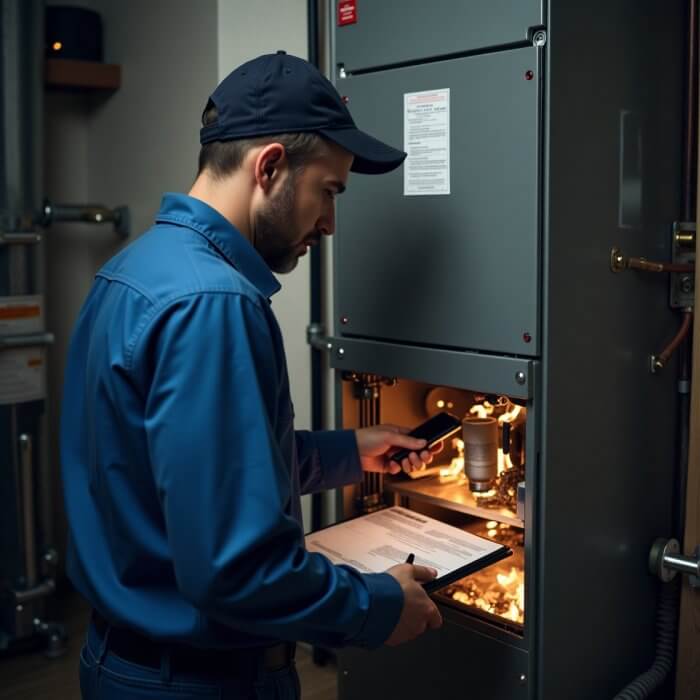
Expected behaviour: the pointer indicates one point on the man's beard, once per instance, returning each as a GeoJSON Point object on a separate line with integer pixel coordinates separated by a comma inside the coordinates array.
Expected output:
{"type": "Point", "coordinates": [273, 234]}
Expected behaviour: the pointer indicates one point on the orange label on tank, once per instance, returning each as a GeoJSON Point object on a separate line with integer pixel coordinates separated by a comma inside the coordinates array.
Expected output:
{"type": "Point", "coordinates": [12, 313]}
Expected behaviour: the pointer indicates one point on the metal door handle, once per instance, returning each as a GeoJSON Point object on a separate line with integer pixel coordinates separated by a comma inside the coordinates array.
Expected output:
{"type": "Point", "coordinates": [665, 561]}
{"type": "Point", "coordinates": [26, 467]}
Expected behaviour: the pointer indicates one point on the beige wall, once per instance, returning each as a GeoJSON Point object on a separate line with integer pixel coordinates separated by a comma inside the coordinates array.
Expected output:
{"type": "Point", "coordinates": [247, 30]}
{"type": "Point", "coordinates": [242, 35]}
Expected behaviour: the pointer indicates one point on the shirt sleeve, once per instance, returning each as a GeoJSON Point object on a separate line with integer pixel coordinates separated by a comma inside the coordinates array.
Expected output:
{"type": "Point", "coordinates": [224, 485]}
{"type": "Point", "coordinates": [328, 459]}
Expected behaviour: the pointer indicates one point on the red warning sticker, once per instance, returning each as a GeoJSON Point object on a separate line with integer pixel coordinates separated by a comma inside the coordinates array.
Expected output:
{"type": "Point", "coordinates": [347, 12]}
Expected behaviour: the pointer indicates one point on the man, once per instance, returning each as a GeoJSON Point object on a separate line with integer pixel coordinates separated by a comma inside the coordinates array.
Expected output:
{"type": "Point", "coordinates": [182, 470]}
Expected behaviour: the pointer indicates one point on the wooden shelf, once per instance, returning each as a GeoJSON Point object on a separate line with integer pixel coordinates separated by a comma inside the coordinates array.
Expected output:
{"type": "Point", "coordinates": [67, 74]}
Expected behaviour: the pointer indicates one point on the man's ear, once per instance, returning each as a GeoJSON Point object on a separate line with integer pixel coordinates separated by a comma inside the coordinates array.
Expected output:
{"type": "Point", "coordinates": [268, 165]}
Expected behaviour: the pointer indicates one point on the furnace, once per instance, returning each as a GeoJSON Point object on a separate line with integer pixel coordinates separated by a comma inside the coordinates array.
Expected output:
{"type": "Point", "coordinates": [476, 280]}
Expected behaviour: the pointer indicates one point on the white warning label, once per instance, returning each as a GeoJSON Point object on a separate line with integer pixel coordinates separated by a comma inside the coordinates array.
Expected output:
{"type": "Point", "coordinates": [21, 314]}
{"type": "Point", "coordinates": [426, 138]}
{"type": "Point", "coordinates": [22, 375]}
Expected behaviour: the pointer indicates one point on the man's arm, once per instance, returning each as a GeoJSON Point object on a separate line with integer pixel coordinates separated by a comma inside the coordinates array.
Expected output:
{"type": "Point", "coordinates": [333, 458]}
{"type": "Point", "coordinates": [328, 459]}
{"type": "Point", "coordinates": [224, 485]}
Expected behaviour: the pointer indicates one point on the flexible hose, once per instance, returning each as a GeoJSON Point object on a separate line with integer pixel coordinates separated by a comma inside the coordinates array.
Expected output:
{"type": "Point", "coordinates": [666, 623]}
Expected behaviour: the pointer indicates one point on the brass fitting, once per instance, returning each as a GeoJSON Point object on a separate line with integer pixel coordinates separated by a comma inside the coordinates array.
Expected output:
{"type": "Point", "coordinates": [684, 239]}
{"type": "Point", "coordinates": [618, 262]}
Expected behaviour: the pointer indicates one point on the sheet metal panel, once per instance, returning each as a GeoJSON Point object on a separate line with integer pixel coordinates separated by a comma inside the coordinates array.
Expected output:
{"type": "Point", "coordinates": [394, 31]}
{"type": "Point", "coordinates": [515, 377]}
{"type": "Point", "coordinates": [451, 663]}
{"type": "Point", "coordinates": [457, 270]}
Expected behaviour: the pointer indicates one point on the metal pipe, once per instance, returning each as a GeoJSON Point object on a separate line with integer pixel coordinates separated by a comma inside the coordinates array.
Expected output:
{"type": "Point", "coordinates": [26, 464]}
{"type": "Point", "coordinates": [660, 360]}
{"type": "Point", "coordinates": [316, 338]}
{"type": "Point", "coordinates": [315, 311]}
{"type": "Point", "coordinates": [687, 565]}
{"type": "Point", "coordinates": [651, 266]}
{"type": "Point", "coordinates": [44, 589]}
{"type": "Point", "coordinates": [88, 213]}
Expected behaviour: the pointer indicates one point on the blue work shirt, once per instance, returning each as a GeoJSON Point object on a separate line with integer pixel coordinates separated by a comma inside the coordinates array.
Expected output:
{"type": "Point", "coordinates": [182, 470]}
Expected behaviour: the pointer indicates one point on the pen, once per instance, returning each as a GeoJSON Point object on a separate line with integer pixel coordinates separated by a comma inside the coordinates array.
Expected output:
{"type": "Point", "coordinates": [410, 558]}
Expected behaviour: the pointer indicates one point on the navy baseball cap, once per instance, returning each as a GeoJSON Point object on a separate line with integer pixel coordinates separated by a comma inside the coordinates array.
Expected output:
{"type": "Point", "coordinates": [278, 93]}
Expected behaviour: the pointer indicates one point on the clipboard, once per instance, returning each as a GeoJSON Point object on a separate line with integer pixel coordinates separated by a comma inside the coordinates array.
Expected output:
{"type": "Point", "coordinates": [377, 541]}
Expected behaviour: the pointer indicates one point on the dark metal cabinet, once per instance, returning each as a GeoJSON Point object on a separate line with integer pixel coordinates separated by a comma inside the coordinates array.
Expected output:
{"type": "Point", "coordinates": [549, 171]}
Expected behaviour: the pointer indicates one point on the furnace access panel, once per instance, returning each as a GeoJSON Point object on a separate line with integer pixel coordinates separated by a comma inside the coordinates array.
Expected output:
{"type": "Point", "coordinates": [450, 240]}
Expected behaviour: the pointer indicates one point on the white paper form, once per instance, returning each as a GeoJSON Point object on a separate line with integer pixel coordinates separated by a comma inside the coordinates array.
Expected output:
{"type": "Point", "coordinates": [374, 543]}
{"type": "Point", "coordinates": [426, 138]}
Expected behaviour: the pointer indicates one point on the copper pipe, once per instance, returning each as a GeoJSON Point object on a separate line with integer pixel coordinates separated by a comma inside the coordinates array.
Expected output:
{"type": "Point", "coordinates": [663, 357]}
{"type": "Point", "coordinates": [650, 266]}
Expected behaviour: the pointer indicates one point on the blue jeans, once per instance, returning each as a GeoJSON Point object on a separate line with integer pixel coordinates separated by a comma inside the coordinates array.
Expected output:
{"type": "Point", "coordinates": [106, 676]}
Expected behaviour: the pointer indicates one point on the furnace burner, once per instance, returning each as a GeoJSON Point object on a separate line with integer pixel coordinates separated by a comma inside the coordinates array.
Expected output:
{"type": "Point", "coordinates": [496, 593]}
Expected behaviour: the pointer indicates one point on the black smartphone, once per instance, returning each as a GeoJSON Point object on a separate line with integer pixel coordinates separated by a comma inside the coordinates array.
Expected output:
{"type": "Point", "coordinates": [437, 428]}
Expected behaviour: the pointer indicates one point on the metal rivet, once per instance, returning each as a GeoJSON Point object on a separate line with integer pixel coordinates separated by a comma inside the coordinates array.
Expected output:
{"type": "Point", "coordinates": [520, 377]}
{"type": "Point", "coordinates": [523, 678]}
{"type": "Point", "coordinates": [340, 352]}
{"type": "Point", "coordinates": [344, 320]}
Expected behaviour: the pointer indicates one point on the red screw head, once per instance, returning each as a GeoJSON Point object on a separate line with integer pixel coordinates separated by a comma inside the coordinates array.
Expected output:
{"type": "Point", "coordinates": [529, 75]}
{"type": "Point", "coordinates": [527, 337]}
{"type": "Point", "coordinates": [345, 99]}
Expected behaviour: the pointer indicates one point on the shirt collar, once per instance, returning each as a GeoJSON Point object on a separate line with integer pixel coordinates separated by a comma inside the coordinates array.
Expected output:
{"type": "Point", "coordinates": [184, 210]}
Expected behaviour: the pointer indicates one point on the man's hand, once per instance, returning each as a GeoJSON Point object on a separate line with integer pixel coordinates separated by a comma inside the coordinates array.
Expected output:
{"type": "Point", "coordinates": [378, 443]}
{"type": "Point", "coordinates": [419, 612]}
